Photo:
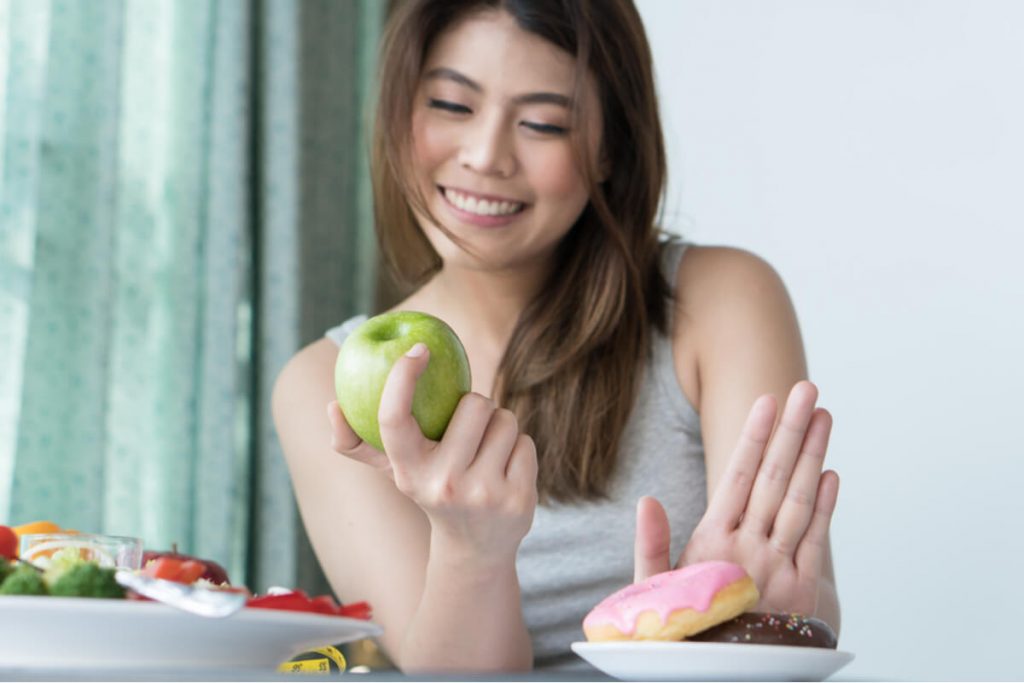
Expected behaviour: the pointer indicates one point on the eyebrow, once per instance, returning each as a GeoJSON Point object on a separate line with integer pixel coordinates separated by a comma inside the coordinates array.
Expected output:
{"type": "Point", "coordinates": [444, 73]}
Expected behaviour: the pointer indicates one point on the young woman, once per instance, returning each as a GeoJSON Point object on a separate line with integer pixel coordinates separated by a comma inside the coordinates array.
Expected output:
{"type": "Point", "coordinates": [637, 403]}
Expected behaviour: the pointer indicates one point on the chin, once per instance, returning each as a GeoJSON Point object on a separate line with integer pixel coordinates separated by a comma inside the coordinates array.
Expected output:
{"type": "Point", "coordinates": [455, 256]}
{"type": "Point", "coordinates": [462, 249]}
{"type": "Point", "coordinates": [483, 250]}
{"type": "Point", "coordinates": [481, 258]}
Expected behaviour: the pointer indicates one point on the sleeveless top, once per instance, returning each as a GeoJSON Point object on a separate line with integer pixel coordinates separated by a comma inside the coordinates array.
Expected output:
{"type": "Point", "coordinates": [576, 554]}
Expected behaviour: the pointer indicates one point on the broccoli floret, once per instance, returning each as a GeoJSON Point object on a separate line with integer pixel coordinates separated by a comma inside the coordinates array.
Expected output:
{"type": "Point", "coordinates": [61, 561]}
{"type": "Point", "coordinates": [87, 580]}
{"type": "Point", "coordinates": [24, 580]}
{"type": "Point", "coordinates": [5, 569]}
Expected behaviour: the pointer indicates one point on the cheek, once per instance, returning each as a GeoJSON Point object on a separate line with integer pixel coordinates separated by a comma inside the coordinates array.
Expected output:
{"type": "Point", "coordinates": [430, 144]}
{"type": "Point", "coordinates": [557, 177]}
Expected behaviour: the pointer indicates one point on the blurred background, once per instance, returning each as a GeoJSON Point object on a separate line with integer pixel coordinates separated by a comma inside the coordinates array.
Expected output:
{"type": "Point", "coordinates": [873, 152]}
{"type": "Point", "coordinates": [184, 203]}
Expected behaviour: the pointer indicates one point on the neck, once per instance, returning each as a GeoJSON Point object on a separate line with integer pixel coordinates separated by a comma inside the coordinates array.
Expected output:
{"type": "Point", "coordinates": [485, 306]}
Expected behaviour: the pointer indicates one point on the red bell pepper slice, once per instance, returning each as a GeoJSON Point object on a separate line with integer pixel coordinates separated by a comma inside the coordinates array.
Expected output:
{"type": "Point", "coordinates": [356, 610]}
{"type": "Point", "coordinates": [299, 601]}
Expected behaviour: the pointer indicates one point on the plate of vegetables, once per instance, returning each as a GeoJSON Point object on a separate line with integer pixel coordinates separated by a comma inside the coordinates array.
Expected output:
{"type": "Point", "coordinates": [68, 613]}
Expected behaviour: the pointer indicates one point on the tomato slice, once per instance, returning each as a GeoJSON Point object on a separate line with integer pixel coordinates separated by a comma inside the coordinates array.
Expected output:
{"type": "Point", "coordinates": [190, 571]}
{"type": "Point", "coordinates": [8, 543]}
{"type": "Point", "coordinates": [174, 569]}
{"type": "Point", "coordinates": [166, 568]}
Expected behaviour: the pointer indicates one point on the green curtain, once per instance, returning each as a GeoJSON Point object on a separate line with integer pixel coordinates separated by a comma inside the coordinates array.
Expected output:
{"type": "Point", "coordinates": [183, 204]}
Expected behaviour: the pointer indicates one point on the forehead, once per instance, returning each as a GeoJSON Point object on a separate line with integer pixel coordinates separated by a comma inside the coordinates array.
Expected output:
{"type": "Point", "coordinates": [490, 48]}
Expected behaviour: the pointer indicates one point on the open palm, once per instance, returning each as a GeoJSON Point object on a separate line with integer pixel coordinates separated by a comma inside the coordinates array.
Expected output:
{"type": "Point", "coordinates": [771, 511]}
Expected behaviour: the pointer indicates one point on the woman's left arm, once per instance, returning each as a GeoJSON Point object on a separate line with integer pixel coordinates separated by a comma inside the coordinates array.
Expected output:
{"type": "Point", "coordinates": [769, 502]}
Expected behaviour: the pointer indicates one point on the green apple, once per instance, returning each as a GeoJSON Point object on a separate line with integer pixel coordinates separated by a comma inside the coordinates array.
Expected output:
{"type": "Point", "coordinates": [366, 358]}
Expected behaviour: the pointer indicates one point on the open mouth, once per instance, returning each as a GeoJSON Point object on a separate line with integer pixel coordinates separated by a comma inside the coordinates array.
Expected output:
{"type": "Point", "coordinates": [479, 206]}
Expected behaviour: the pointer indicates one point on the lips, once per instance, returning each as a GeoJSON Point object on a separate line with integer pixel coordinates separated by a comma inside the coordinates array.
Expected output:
{"type": "Point", "coordinates": [481, 205]}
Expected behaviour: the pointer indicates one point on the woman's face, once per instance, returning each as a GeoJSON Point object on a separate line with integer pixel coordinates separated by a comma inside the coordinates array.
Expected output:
{"type": "Point", "coordinates": [492, 150]}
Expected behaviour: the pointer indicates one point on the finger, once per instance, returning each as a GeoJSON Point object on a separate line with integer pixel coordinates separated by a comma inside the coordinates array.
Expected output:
{"type": "Point", "coordinates": [797, 507]}
{"type": "Point", "coordinates": [466, 430]}
{"type": "Point", "coordinates": [730, 497]}
{"type": "Point", "coordinates": [496, 446]}
{"type": "Point", "coordinates": [522, 465]}
{"type": "Point", "coordinates": [651, 547]}
{"type": "Point", "coordinates": [779, 459]}
{"type": "Point", "coordinates": [399, 430]}
{"type": "Point", "coordinates": [810, 554]}
{"type": "Point", "coordinates": [346, 442]}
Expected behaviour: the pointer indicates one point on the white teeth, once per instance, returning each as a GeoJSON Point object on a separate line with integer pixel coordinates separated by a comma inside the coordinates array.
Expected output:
{"type": "Point", "coordinates": [482, 207]}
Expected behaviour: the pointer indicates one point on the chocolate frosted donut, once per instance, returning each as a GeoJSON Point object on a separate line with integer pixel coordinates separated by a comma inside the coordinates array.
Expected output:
{"type": "Point", "coordinates": [771, 629]}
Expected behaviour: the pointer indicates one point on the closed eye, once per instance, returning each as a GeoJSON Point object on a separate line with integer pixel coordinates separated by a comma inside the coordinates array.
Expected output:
{"type": "Point", "coordinates": [445, 105]}
{"type": "Point", "coordinates": [545, 128]}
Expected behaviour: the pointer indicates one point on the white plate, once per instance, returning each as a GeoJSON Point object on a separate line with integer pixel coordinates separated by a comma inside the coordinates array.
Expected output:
{"type": "Point", "coordinates": [57, 633]}
{"type": "Point", "coordinates": [682, 661]}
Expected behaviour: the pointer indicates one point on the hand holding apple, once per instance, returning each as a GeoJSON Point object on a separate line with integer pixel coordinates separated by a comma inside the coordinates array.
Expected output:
{"type": "Point", "coordinates": [370, 352]}
{"type": "Point", "coordinates": [460, 457]}
{"type": "Point", "coordinates": [478, 485]}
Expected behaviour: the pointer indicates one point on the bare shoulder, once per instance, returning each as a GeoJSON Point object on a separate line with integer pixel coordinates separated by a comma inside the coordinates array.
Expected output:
{"type": "Point", "coordinates": [710, 274]}
{"type": "Point", "coordinates": [733, 311]}
{"type": "Point", "coordinates": [301, 392]}
{"type": "Point", "coordinates": [299, 401]}
{"type": "Point", "coordinates": [311, 369]}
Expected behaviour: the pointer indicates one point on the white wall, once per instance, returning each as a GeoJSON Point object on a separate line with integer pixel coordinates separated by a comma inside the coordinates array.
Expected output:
{"type": "Point", "coordinates": [873, 152]}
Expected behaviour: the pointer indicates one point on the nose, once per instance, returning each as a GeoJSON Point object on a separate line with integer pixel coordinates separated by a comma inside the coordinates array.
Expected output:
{"type": "Point", "coordinates": [488, 147]}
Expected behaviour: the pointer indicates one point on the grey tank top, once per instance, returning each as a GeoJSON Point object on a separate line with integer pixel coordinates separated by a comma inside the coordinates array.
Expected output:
{"type": "Point", "coordinates": [576, 554]}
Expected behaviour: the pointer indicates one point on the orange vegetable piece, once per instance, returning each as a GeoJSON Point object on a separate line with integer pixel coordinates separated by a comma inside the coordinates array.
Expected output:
{"type": "Point", "coordinates": [39, 527]}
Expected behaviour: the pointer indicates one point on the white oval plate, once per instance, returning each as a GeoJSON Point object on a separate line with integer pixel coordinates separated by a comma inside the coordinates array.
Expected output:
{"type": "Point", "coordinates": [58, 633]}
{"type": "Point", "coordinates": [691, 661]}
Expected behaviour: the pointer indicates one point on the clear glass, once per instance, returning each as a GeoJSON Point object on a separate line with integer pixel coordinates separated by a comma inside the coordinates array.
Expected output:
{"type": "Point", "coordinates": [123, 552]}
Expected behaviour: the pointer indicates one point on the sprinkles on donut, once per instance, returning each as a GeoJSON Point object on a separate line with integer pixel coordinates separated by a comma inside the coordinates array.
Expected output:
{"type": "Point", "coordinates": [762, 628]}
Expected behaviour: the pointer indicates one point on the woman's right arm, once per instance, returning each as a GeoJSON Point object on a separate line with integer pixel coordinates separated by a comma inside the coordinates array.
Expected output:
{"type": "Point", "coordinates": [444, 603]}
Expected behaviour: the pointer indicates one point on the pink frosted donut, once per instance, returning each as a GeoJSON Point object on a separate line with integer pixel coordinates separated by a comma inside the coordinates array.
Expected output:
{"type": "Point", "coordinates": [673, 605]}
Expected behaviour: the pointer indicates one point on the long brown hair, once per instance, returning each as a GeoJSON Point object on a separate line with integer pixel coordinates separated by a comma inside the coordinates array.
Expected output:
{"type": "Point", "coordinates": [575, 357]}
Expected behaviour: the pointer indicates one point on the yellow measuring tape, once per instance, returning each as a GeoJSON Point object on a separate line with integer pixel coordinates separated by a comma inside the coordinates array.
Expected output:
{"type": "Point", "coordinates": [322, 660]}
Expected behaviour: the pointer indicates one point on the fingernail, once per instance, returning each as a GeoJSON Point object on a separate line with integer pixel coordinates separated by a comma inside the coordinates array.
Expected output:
{"type": "Point", "coordinates": [417, 350]}
{"type": "Point", "coordinates": [330, 413]}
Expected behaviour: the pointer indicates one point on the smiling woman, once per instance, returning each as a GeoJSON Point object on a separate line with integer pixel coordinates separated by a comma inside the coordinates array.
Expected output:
{"type": "Point", "coordinates": [518, 168]}
{"type": "Point", "coordinates": [500, 148]}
